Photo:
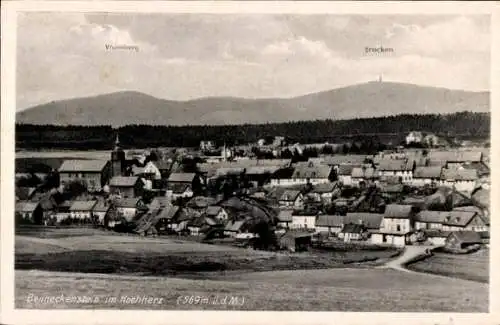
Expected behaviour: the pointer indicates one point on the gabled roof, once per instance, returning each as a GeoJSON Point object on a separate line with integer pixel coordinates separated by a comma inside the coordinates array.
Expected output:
{"type": "Point", "coordinates": [468, 237]}
{"type": "Point", "coordinates": [72, 166]}
{"type": "Point", "coordinates": [181, 177]}
{"type": "Point", "coordinates": [352, 228]}
{"type": "Point", "coordinates": [123, 181]}
{"type": "Point", "coordinates": [437, 233]}
{"type": "Point", "coordinates": [283, 173]}
{"type": "Point", "coordinates": [398, 211]}
{"type": "Point", "coordinates": [178, 188]}
{"type": "Point", "coordinates": [259, 170]}
{"type": "Point", "coordinates": [459, 174]}
{"type": "Point", "coordinates": [289, 195]}
{"type": "Point", "coordinates": [459, 218]}
{"type": "Point", "coordinates": [395, 165]}
{"type": "Point", "coordinates": [369, 220]}
{"type": "Point", "coordinates": [344, 159]}
{"type": "Point", "coordinates": [200, 202]}
{"type": "Point", "coordinates": [455, 156]}
{"type": "Point", "coordinates": [325, 187]}
{"type": "Point", "coordinates": [429, 216]}
{"type": "Point", "coordinates": [328, 220]}
{"type": "Point", "coordinates": [322, 171]}
{"type": "Point", "coordinates": [226, 171]}
{"type": "Point", "coordinates": [360, 172]}
{"type": "Point", "coordinates": [82, 205]}
{"type": "Point", "coordinates": [345, 170]}
{"type": "Point", "coordinates": [128, 202]}
{"type": "Point", "coordinates": [26, 206]}
{"type": "Point", "coordinates": [427, 172]}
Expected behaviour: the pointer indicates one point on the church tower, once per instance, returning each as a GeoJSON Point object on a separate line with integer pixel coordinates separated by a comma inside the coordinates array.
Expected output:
{"type": "Point", "coordinates": [117, 159]}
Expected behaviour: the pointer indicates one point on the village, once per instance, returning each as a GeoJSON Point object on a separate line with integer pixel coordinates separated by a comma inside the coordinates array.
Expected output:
{"type": "Point", "coordinates": [420, 193]}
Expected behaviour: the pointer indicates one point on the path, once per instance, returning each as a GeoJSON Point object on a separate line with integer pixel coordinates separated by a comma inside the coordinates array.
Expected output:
{"type": "Point", "coordinates": [409, 253]}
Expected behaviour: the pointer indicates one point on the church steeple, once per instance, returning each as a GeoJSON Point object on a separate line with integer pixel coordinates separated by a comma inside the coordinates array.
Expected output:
{"type": "Point", "coordinates": [117, 142]}
{"type": "Point", "coordinates": [117, 158]}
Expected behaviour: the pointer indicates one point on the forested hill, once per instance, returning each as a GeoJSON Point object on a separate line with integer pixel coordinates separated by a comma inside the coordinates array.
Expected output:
{"type": "Point", "coordinates": [385, 129]}
{"type": "Point", "coordinates": [372, 99]}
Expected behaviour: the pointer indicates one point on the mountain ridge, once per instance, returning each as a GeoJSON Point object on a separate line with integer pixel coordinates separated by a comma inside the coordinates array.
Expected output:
{"type": "Point", "coordinates": [372, 99]}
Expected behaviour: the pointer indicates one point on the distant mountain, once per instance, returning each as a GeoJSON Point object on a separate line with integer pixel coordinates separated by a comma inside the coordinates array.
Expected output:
{"type": "Point", "coordinates": [371, 99]}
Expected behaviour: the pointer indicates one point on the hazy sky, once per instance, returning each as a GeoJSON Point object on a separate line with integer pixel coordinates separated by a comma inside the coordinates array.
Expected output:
{"type": "Point", "coordinates": [184, 56]}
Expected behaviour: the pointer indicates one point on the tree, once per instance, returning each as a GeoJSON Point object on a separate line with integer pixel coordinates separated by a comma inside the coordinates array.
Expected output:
{"type": "Point", "coordinates": [74, 189]}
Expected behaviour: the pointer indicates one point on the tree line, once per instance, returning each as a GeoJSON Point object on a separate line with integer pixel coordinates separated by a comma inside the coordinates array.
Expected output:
{"type": "Point", "coordinates": [387, 129]}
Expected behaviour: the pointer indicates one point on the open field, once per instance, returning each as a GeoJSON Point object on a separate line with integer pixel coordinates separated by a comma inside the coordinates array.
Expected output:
{"type": "Point", "coordinates": [95, 251]}
{"type": "Point", "coordinates": [101, 264]}
{"type": "Point", "coordinates": [474, 266]}
{"type": "Point", "coordinates": [313, 290]}
{"type": "Point", "coordinates": [69, 154]}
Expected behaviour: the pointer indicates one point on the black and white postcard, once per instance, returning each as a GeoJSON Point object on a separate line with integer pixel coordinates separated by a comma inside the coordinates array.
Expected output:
{"type": "Point", "coordinates": [162, 159]}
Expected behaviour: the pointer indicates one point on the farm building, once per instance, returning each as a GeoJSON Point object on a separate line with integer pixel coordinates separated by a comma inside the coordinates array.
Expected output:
{"type": "Point", "coordinates": [362, 175]}
{"type": "Point", "coordinates": [463, 180]}
{"type": "Point", "coordinates": [291, 199]}
{"type": "Point", "coordinates": [283, 177]}
{"type": "Point", "coordinates": [462, 239]}
{"type": "Point", "coordinates": [129, 207]}
{"type": "Point", "coordinates": [30, 212]}
{"type": "Point", "coordinates": [312, 174]}
{"type": "Point", "coordinates": [217, 213]}
{"type": "Point", "coordinates": [126, 186]}
{"type": "Point", "coordinates": [296, 241]}
{"type": "Point", "coordinates": [100, 210]}
{"type": "Point", "coordinates": [352, 232]}
{"type": "Point", "coordinates": [402, 168]}
{"type": "Point", "coordinates": [344, 174]}
{"type": "Point", "coordinates": [396, 226]}
{"type": "Point", "coordinates": [426, 175]}
{"type": "Point", "coordinates": [82, 210]}
{"type": "Point", "coordinates": [93, 173]}
{"type": "Point", "coordinates": [62, 211]}
{"type": "Point", "coordinates": [372, 221]}
{"type": "Point", "coordinates": [428, 219]}
{"type": "Point", "coordinates": [304, 219]}
{"type": "Point", "coordinates": [325, 192]}
{"type": "Point", "coordinates": [436, 237]}
{"type": "Point", "coordinates": [464, 220]}
{"type": "Point", "coordinates": [331, 224]}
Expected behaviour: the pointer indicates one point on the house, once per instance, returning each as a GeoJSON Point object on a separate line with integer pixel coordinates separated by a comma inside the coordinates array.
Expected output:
{"type": "Point", "coordinates": [62, 211]}
{"type": "Point", "coordinates": [93, 173]}
{"type": "Point", "coordinates": [296, 241]}
{"type": "Point", "coordinates": [304, 219]}
{"type": "Point", "coordinates": [363, 175]}
{"type": "Point", "coordinates": [454, 158]}
{"type": "Point", "coordinates": [150, 171]}
{"type": "Point", "coordinates": [353, 231]}
{"type": "Point", "coordinates": [336, 160]}
{"type": "Point", "coordinates": [427, 220]}
{"type": "Point", "coordinates": [371, 221]}
{"type": "Point", "coordinates": [324, 192]}
{"type": "Point", "coordinates": [312, 174]}
{"type": "Point", "coordinates": [414, 137]}
{"type": "Point", "coordinates": [291, 199]}
{"type": "Point", "coordinates": [402, 168]}
{"type": "Point", "coordinates": [457, 220]}
{"type": "Point", "coordinates": [344, 174]}
{"type": "Point", "coordinates": [436, 237]}
{"type": "Point", "coordinates": [331, 224]}
{"type": "Point", "coordinates": [100, 211]}
{"type": "Point", "coordinates": [197, 225]}
{"type": "Point", "coordinates": [260, 175]}
{"type": "Point", "coordinates": [129, 207]}
{"type": "Point", "coordinates": [175, 191]}
{"type": "Point", "coordinates": [182, 184]}
{"type": "Point", "coordinates": [396, 226]}
{"type": "Point", "coordinates": [82, 210]}
{"type": "Point", "coordinates": [165, 216]}
{"type": "Point", "coordinates": [426, 176]}
{"type": "Point", "coordinates": [463, 180]}
{"type": "Point", "coordinates": [462, 239]}
{"type": "Point", "coordinates": [29, 212]}
{"type": "Point", "coordinates": [216, 213]}
{"type": "Point", "coordinates": [126, 186]}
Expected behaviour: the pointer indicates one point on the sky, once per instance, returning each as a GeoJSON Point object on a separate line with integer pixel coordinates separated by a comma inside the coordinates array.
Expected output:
{"type": "Point", "coordinates": [187, 56]}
